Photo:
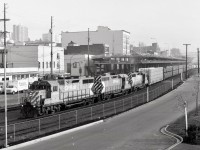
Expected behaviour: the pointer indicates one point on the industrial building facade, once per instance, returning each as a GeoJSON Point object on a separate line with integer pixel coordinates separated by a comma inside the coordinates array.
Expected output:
{"type": "Point", "coordinates": [117, 40]}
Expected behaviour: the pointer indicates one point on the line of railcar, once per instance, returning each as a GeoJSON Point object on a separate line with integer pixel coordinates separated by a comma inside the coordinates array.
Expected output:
{"type": "Point", "coordinates": [49, 96]}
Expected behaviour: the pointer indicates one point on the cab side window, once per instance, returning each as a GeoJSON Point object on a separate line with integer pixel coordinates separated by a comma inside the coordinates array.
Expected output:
{"type": "Point", "coordinates": [55, 88]}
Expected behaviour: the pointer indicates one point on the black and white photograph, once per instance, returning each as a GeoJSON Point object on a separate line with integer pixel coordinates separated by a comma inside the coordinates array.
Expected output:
{"type": "Point", "coordinates": [99, 75]}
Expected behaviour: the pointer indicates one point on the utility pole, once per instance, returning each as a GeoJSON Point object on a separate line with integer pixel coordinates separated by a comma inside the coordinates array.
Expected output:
{"type": "Point", "coordinates": [198, 60]}
{"type": "Point", "coordinates": [51, 31]}
{"type": "Point", "coordinates": [88, 51]}
{"type": "Point", "coordinates": [4, 64]}
{"type": "Point", "coordinates": [197, 98]}
{"type": "Point", "coordinates": [186, 61]}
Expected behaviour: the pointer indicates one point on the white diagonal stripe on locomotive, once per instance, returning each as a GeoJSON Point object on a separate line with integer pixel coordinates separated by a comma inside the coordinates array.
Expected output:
{"type": "Point", "coordinates": [98, 85]}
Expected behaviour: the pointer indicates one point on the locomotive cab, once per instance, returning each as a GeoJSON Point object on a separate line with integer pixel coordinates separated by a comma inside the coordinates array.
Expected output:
{"type": "Point", "coordinates": [41, 93]}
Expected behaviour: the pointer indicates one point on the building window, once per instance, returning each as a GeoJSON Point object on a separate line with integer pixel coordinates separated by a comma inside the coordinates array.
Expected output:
{"type": "Point", "coordinates": [47, 65]}
{"type": "Point", "coordinates": [74, 65]}
{"type": "Point", "coordinates": [58, 56]}
{"type": "Point", "coordinates": [6, 79]}
{"type": "Point", "coordinates": [18, 77]}
{"type": "Point", "coordinates": [22, 76]}
{"type": "Point", "coordinates": [58, 65]}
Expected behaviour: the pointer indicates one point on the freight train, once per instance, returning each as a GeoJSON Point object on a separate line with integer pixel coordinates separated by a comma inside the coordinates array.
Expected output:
{"type": "Point", "coordinates": [50, 96]}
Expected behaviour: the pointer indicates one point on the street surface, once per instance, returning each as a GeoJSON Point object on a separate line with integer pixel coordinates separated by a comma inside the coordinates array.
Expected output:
{"type": "Point", "coordinates": [138, 129]}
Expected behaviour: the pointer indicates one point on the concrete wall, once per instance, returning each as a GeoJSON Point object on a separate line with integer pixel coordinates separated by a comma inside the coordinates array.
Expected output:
{"type": "Point", "coordinates": [22, 56]}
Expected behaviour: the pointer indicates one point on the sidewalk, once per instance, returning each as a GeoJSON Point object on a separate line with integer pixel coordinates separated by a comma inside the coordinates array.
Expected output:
{"type": "Point", "coordinates": [178, 126]}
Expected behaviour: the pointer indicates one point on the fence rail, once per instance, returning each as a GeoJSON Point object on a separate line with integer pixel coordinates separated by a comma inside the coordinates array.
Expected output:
{"type": "Point", "coordinates": [31, 129]}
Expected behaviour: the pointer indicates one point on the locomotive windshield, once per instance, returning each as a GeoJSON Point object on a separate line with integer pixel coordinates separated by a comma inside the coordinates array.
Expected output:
{"type": "Point", "coordinates": [37, 85]}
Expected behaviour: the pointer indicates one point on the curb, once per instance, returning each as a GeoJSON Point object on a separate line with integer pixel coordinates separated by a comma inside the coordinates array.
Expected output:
{"type": "Point", "coordinates": [178, 138]}
{"type": "Point", "coordinates": [51, 136]}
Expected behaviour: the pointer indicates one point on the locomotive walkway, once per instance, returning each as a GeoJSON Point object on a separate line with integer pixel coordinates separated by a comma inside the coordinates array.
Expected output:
{"type": "Point", "coordinates": [137, 129]}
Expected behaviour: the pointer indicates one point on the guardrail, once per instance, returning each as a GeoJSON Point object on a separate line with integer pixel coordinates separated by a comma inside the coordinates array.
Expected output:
{"type": "Point", "coordinates": [24, 131]}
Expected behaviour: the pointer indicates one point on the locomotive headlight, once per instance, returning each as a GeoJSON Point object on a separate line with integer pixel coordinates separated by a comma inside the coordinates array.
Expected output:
{"type": "Point", "coordinates": [22, 105]}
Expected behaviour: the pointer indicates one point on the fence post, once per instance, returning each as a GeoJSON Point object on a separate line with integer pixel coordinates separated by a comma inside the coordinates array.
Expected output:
{"type": "Point", "coordinates": [59, 120]}
{"type": "Point", "coordinates": [91, 112]}
{"type": "Point", "coordinates": [39, 125]}
{"type": "Point", "coordinates": [147, 94]}
{"type": "Point", "coordinates": [123, 104]}
{"type": "Point", "coordinates": [172, 84]}
{"type": "Point", "coordinates": [143, 98]}
{"type": "Point", "coordinates": [14, 132]}
{"type": "Point", "coordinates": [181, 76]}
{"type": "Point", "coordinates": [114, 108]}
{"type": "Point", "coordinates": [76, 117]}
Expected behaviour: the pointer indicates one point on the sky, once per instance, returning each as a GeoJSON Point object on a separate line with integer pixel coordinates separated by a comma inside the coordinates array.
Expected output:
{"type": "Point", "coordinates": [170, 23]}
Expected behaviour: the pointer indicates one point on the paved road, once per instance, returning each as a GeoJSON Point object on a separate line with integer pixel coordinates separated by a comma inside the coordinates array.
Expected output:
{"type": "Point", "coordinates": [138, 129]}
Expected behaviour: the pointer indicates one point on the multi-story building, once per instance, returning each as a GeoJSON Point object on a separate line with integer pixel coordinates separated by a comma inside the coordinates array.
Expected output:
{"type": "Point", "coordinates": [153, 49]}
{"type": "Point", "coordinates": [20, 33]}
{"type": "Point", "coordinates": [35, 56]}
{"type": "Point", "coordinates": [118, 40]}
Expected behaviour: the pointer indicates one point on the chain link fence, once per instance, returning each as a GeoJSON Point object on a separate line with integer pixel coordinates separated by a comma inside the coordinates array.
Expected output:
{"type": "Point", "coordinates": [24, 131]}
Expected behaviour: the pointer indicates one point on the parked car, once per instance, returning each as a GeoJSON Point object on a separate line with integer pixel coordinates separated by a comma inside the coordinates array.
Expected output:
{"type": "Point", "coordinates": [11, 89]}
